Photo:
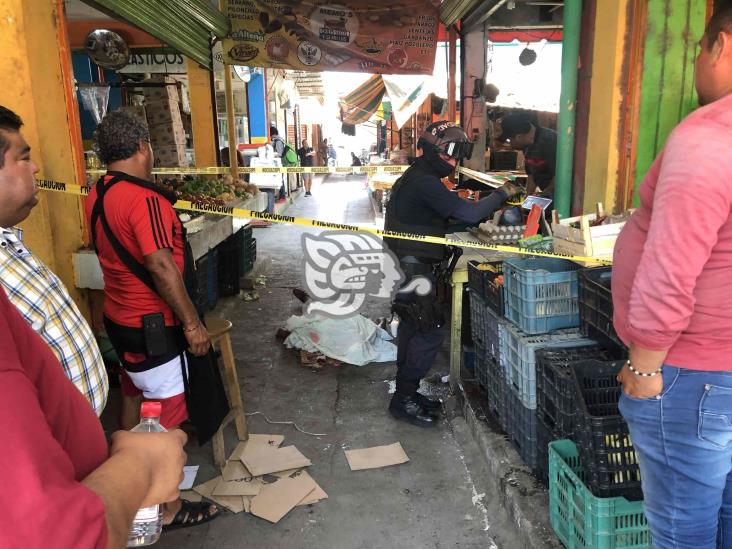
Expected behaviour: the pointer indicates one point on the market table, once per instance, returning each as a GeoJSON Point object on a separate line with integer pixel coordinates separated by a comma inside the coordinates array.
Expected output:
{"type": "Point", "coordinates": [457, 281]}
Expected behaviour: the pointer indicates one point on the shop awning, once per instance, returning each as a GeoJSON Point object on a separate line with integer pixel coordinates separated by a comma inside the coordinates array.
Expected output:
{"type": "Point", "coordinates": [405, 94]}
{"type": "Point", "coordinates": [186, 25]}
{"type": "Point", "coordinates": [476, 11]}
{"type": "Point", "coordinates": [361, 104]}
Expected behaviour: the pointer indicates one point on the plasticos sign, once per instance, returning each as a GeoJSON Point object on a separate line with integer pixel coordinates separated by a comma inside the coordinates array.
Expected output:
{"type": "Point", "coordinates": [373, 36]}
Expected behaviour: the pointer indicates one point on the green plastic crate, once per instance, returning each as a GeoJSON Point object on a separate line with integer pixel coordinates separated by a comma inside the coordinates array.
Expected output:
{"type": "Point", "coordinates": [582, 520]}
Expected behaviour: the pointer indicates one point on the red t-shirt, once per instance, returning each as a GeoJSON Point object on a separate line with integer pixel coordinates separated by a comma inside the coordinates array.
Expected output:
{"type": "Point", "coordinates": [52, 440]}
{"type": "Point", "coordinates": [144, 222]}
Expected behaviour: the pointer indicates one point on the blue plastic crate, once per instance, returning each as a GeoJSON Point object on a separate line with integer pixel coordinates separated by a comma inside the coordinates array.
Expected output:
{"type": "Point", "coordinates": [519, 355]}
{"type": "Point", "coordinates": [494, 329]}
{"type": "Point", "coordinates": [541, 294]}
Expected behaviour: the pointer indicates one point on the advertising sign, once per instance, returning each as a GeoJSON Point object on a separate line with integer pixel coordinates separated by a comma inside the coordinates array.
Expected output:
{"type": "Point", "coordinates": [373, 36]}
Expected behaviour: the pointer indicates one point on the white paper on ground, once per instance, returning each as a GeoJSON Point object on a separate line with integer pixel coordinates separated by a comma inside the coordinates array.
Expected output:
{"type": "Point", "coordinates": [189, 477]}
{"type": "Point", "coordinates": [378, 456]}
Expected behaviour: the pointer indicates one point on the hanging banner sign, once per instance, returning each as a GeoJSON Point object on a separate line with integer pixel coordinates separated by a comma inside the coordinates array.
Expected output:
{"type": "Point", "coordinates": [374, 36]}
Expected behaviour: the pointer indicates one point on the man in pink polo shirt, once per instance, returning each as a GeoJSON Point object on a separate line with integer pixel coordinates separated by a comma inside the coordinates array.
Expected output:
{"type": "Point", "coordinates": [673, 308]}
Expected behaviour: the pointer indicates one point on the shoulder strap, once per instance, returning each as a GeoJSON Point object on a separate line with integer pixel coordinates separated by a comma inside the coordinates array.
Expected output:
{"type": "Point", "coordinates": [135, 267]}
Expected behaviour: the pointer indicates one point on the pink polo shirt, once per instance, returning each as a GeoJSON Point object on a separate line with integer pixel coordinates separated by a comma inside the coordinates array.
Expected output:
{"type": "Point", "coordinates": [672, 271]}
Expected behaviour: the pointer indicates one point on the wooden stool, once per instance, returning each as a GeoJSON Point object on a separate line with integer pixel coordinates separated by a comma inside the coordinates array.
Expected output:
{"type": "Point", "coordinates": [218, 330]}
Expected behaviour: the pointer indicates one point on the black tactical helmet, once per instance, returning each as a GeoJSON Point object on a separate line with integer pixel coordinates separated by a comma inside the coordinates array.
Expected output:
{"type": "Point", "coordinates": [445, 137]}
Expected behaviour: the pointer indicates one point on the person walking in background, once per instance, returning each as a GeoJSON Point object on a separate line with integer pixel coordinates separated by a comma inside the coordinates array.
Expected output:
{"type": "Point", "coordinates": [672, 263]}
{"type": "Point", "coordinates": [306, 154]}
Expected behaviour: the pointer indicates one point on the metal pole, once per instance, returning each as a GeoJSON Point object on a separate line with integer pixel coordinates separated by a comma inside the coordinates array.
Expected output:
{"type": "Point", "coordinates": [452, 75]}
{"type": "Point", "coordinates": [230, 121]}
{"type": "Point", "coordinates": [567, 107]}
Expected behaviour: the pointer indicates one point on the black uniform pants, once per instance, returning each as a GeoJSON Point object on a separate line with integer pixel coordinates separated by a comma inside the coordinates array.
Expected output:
{"type": "Point", "coordinates": [416, 349]}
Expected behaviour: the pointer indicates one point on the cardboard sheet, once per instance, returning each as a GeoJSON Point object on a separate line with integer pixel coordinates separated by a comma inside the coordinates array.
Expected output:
{"type": "Point", "coordinates": [235, 504]}
{"type": "Point", "coordinates": [235, 470]}
{"type": "Point", "coordinates": [261, 460]}
{"type": "Point", "coordinates": [279, 498]}
{"type": "Point", "coordinates": [190, 495]}
{"type": "Point", "coordinates": [256, 441]}
{"type": "Point", "coordinates": [378, 456]}
{"type": "Point", "coordinates": [249, 486]}
{"type": "Point", "coordinates": [313, 497]}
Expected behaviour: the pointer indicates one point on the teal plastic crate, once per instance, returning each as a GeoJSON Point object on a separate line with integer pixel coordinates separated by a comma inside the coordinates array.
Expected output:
{"type": "Point", "coordinates": [582, 520]}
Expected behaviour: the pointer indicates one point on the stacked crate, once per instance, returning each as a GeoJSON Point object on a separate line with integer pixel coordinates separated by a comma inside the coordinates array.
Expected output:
{"type": "Point", "coordinates": [236, 256]}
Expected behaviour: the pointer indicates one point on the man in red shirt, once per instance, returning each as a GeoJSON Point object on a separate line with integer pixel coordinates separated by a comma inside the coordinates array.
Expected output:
{"type": "Point", "coordinates": [148, 314]}
{"type": "Point", "coordinates": [672, 263]}
{"type": "Point", "coordinates": [62, 486]}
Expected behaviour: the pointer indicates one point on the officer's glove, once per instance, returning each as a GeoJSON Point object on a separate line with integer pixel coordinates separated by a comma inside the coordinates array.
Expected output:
{"type": "Point", "coordinates": [511, 189]}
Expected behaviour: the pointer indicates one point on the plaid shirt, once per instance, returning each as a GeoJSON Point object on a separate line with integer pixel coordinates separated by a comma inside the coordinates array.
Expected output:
{"type": "Point", "coordinates": [44, 302]}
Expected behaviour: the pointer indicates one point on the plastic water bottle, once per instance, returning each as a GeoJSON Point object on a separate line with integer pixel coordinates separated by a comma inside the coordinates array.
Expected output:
{"type": "Point", "coordinates": [148, 523]}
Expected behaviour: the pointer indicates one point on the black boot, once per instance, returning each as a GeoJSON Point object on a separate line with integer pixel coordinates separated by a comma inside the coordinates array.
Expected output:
{"type": "Point", "coordinates": [427, 403]}
{"type": "Point", "coordinates": [408, 409]}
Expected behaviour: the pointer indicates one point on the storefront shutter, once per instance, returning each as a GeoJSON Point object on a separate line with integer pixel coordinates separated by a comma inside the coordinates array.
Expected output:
{"type": "Point", "coordinates": [186, 25]}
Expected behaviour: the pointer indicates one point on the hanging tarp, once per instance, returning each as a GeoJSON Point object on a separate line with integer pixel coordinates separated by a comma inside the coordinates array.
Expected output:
{"type": "Point", "coordinates": [378, 37]}
{"type": "Point", "coordinates": [405, 94]}
{"type": "Point", "coordinates": [186, 25]}
{"type": "Point", "coordinates": [360, 105]}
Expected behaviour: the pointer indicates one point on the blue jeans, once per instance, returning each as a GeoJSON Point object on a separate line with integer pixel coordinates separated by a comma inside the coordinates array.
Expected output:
{"type": "Point", "coordinates": [270, 200]}
{"type": "Point", "coordinates": [683, 439]}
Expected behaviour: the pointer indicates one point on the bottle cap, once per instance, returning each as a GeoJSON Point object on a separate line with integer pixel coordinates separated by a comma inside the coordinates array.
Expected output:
{"type": "Point", "coordinates": [150, 409]}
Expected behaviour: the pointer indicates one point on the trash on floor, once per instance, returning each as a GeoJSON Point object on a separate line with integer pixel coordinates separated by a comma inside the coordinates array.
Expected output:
{"type": "Point", "coordinates": [251, 295]}
{"type": "Point", "coordinates": [189, 477]}
{"type": "Point", "coordinates": [376, 457]}
{"type": "Point", "coordinates": [262, 479]}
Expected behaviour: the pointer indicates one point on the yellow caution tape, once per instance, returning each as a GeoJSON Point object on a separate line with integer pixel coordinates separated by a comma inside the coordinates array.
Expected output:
{"type": "Point", "coordinates": [290, 169]}
{"type": "Point", "coordinates": [72, 188]}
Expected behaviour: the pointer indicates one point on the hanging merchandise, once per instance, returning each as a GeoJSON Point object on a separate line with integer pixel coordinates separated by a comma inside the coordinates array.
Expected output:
{"type": "Point", "coordinates": [95, 98]}
{"type": "Point", "coordinates": [347, 35]}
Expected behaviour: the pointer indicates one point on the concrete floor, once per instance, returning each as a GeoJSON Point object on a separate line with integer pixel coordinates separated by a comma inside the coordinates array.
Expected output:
{"type": "Point", "coordinates": [434, 501]}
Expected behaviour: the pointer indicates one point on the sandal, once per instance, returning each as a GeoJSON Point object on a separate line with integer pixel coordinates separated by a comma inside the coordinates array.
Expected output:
{"type": "Point", "coordinates": [192, 514]}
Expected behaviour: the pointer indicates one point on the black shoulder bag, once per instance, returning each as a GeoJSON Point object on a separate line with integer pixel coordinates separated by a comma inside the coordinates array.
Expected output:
{"type": "Point", "coordinates": [204, 390]}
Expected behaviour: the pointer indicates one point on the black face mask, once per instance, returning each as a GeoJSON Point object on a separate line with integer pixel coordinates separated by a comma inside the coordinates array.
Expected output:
{"type": "Point", "coordinates": [432, 158]}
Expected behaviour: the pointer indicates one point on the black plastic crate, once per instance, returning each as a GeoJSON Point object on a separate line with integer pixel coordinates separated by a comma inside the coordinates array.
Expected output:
{"type": "Point", "coordinates": [488, 283]}
{"type": "Point", "coordinates": [521, 428]}
{"type": "Point", "coordinates": [207, 281]}
{"type": "Point", "coordinates": [601, 433]}
{"type": "Point", "coordinates": [230, 263]}
{"type": "Point", "coordinates": [543, 438]}
{"type": "Point", "coordinates": [503, 160]}
{"type": "Point", "coordinates": [596, 308]}
{"type": "Point", "coordinates": [477, 314]}
{"type": "Point", "coordinates": [495, 388]}
{"type": "Point", "coordinates": [556, 395]}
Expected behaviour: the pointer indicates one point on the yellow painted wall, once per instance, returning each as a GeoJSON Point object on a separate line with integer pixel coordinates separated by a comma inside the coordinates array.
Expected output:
{"type": "Point", "coordinates": [601, 168]}
{"type": "Point", "coordinates": [202, 114]}
{"type": "Point", "coordinates": [33, 86]}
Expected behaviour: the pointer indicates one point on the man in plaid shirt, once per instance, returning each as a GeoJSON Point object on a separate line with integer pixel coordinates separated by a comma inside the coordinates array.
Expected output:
{"type": "Point", "coordinates": [37, 293]}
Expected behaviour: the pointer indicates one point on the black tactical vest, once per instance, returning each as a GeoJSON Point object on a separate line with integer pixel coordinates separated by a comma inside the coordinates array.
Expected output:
{"type": "Point", "coordinates": [432, 225]}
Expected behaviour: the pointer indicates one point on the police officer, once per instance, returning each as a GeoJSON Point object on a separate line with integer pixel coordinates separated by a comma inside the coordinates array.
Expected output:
{"type": "Point", "coordinates": [421, 204]}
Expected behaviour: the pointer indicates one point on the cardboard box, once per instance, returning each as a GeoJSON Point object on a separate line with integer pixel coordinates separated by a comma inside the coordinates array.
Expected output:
{"type": "Point", "coordinates": [166, 92]}
{"type": "Point", "coordinates": [163, 112]}
{"type": "Point", "coordinates": [167, 135]}
{"type": "Point", "coordinates": [170, 157]}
